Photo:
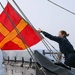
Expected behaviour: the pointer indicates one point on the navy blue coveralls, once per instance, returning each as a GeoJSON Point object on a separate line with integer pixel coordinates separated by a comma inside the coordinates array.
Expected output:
{"type": "Point", "coordinates": [65, 47]}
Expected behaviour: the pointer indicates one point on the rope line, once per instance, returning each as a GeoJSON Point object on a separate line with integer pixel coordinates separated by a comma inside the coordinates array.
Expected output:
{"type": "Point", "coordinates": [61, 7]}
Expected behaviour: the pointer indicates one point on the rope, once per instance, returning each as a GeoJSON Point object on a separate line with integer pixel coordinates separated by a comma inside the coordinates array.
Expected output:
{"type": "Point", "coordinates": [45, 44]}
{"type": "Point", "coordinates": [29, 48]}
{"type": "Point", "coordinates": [15, 28]}
{"type": "Point", "coordinates": [61, 7]}
{"type": "Point", "coordinates": [51, 45]}
{"type": "Point", "coordinates": [49, 49]}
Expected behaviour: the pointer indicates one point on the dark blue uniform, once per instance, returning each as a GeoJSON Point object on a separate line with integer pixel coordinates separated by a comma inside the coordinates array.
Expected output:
{"type": "Point", "coordinates": [65, 47]}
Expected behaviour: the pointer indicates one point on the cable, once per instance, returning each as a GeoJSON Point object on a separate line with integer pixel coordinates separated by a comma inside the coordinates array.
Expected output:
{"type": "Point", "coordinates": [61, 7]}
{"type": "Point", "coordinates": [49, 49]}
{"type": "Point", "coordinates": [45, 44]}
{"type": "Point", "coordinates": [51, 45]}
{"type": "Point", "coordinates": [34, 59]}
{"type": "Point", "coordinates": [16, 29]}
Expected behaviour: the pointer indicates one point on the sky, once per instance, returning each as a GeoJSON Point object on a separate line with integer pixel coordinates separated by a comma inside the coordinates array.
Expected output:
{"type": "Point", "coordinates": [50, 18]}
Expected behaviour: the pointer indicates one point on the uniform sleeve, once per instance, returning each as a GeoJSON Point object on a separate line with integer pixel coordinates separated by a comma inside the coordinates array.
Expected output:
{"type": "Point", "coordinates": [51, 37]}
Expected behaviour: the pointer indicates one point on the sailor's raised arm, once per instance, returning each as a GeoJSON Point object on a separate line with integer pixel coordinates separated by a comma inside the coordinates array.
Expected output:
{"type": "Point", "coordinates": [51, 37]}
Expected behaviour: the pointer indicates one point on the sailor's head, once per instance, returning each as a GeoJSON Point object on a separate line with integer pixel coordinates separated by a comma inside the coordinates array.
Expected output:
{"type": "Point", "coordinates": [63, 33]}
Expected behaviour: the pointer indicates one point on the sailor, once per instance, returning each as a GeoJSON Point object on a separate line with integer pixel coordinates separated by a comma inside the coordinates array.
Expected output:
{"type": "Point", "coordinates": [65, 46]}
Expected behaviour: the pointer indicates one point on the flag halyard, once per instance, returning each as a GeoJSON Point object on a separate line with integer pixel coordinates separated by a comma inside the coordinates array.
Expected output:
{"type": "Point", "coordinates": [9, 38]}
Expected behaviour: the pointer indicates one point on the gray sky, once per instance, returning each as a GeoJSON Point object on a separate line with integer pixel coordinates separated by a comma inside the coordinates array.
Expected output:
{"type": "Point", "coordinates": [48, 17]}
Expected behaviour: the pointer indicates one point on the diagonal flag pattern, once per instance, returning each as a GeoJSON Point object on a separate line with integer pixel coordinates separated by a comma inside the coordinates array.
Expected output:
{"type": "Point", "coordinates": [9, 38]}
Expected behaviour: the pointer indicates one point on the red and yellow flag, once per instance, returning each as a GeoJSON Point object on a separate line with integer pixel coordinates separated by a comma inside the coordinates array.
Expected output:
{"type": "Point", "coordinates": [9, 38]}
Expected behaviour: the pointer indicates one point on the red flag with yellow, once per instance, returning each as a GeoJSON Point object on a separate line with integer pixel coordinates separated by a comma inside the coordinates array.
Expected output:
{"type": "Point", "coordinates": [9, 38]}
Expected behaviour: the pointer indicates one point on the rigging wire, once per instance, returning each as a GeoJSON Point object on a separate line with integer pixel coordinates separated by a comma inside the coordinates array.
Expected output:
{"type": "Point", "coordinates": [51, 45]}
{"type": "Point", "coordinates": [61, 7]}
{"type": "Point", "coordinates": [45, 44]}
{"type": "Point", "coordinates": [15, 28]}
{"type": "Point", "coordinates": [50, 51]}
{"type": "Point", "coordinates": [29, 48]}
{"type": "Point", "coordinates": [73, 13]}
{"type": "Point", "coordinates": [33, 28]}
{"type": "Point", "coordinates": [53, 54]}
{"type": "Point", "coordinates": [22, 38]}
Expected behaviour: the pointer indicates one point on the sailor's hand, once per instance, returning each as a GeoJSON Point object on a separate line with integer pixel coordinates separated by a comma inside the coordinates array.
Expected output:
{"type": "Point", "coordinates": [39, 30]}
